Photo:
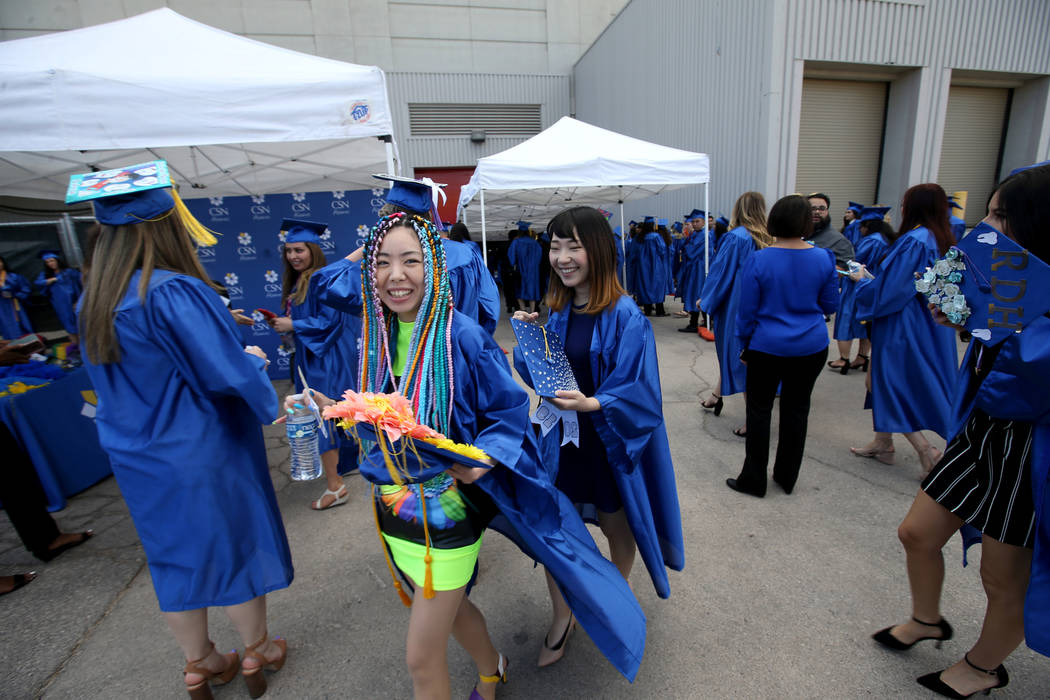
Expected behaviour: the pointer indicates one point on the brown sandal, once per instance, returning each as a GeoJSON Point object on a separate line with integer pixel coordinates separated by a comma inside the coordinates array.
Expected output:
{"type": "Point", "coordinates": [202, 690]}
{"type": "Point", "coordinates": [253, 677]}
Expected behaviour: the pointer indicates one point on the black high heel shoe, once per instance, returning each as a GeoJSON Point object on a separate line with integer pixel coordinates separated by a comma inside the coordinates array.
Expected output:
{"type": "Point", "coordinates": [841, 369]}
{"type": "Point", "coordinates": [863, 366]}
{"type": "Point", "coordinates": [886, 639]}
{"type": "Point", "coordinates": [933, 681]}
{"type": "Point", "coordinates": [716, 407]}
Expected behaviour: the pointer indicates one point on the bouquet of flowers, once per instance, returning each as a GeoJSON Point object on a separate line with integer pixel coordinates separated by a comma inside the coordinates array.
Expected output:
{"type": "Point", "coordinates": [942, 286]}
{"type": "Point", "coordinates": [390, 416]}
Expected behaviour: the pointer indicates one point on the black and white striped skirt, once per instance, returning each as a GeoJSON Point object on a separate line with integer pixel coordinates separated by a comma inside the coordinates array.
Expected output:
{"type": "Point", "coordinates": [985, 478]}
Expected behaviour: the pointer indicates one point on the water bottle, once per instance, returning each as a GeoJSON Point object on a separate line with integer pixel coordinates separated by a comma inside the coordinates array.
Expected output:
{"type": "Point", "coordinates": [301, 429]}
{"type": "Point", "coordinates": [853, 266]}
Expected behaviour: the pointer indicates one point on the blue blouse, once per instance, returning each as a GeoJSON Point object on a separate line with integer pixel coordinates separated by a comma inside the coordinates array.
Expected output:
{"type": "Point", "coordinates": [784, 296]}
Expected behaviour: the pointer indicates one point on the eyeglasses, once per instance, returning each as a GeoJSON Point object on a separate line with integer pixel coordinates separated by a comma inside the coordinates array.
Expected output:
{"type": "Point", "coordinates": [820, 208]}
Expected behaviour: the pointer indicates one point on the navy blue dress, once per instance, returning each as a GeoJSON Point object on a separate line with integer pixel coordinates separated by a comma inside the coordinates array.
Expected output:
{"type": "Point", "coordinates": [585, 476]}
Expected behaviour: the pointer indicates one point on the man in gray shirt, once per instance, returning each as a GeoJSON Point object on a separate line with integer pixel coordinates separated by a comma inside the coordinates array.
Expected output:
{"type": "Point", "coordinates": [824, 234]}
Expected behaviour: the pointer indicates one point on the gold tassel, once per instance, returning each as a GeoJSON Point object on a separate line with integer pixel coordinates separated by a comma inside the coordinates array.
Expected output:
{"type": "Point", "coordinates": [198, 231]}
{"type": "Point", "coordinates": [428, 576]}
{"type": "Point", "coordinates": [386, 554]}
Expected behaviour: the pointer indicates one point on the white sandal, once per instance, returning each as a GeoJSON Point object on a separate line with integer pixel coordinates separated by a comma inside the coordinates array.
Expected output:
{"type": "Point", "coordinates": [337, 499]}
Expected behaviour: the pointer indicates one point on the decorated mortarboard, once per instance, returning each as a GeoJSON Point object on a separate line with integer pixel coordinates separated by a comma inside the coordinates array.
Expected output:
{"type": "Point", "coordinates": [419, 196]}
{"type": "Point", "coordinates": [856, 208]}
{"type": "Point", "coordinates": [523, 225]}
{"type": "Point", "coordinates": [874, 213]}
{"type": "Point", "coordinates": [545, 357]}
{"type": "Point", "coordinates": [47, 254]}
{"type": "Point", "coordinates": [299, 231]}
{"type": "Point", "coordinates": [661, 222]}
{"type": "Point", "coordinates": [133, 195]}
{"type": "Point", "coordinates": [1029, 167]}
{"type": "Point", "coordinates": [989, 284]}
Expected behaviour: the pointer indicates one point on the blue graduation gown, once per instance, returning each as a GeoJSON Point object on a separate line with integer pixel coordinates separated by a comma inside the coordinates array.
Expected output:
{"type": "Point", "coordinates": [852, 233]}
{"type": "Point", "coordinates": [474, 292]}
{"type": "Point", "coordinates": [179, 417]}
{"type": "Point", "coordinates": [524, 254]}
{"type": "Point", "coordinates": [869, 252]}
{"type": "Point", "coordinates": [63, 294]}
{"type": "Point", "coordinates": [652, 269]}
{"type": "Point", "coordinates": [1018, 388]}
{"type": "Point", "coordinates": [692, 275]}
{"type": "Point", "coordinates": [914, 361]}
{"type": "Point", "coordinates": [14, 323]}
{"type": "Point", "coordinates": [958, 227]}
{"type": "Point", "coordinates": [631, 426]}
{"type": "Point", "coordinates": [491, 410]}
{"type": "Point", "coordinates": [721, 298]}
{"type": "Point", "coordinates": [633, 247]}
{"type": "Point", "coordinates": [326, 348]}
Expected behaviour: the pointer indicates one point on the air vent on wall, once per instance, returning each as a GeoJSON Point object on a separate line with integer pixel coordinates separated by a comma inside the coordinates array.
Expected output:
{"type": "Point", "coordinates": [432, 119]}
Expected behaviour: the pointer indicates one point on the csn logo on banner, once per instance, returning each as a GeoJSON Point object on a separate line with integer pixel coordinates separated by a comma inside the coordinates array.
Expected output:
{"type": "Point", "coordinates": [340, 204]}
{"type": "Point", "coordinates": [218, 211]}
{"type": "Point", "coordinates": [245, 249]}
{"type": "Point", "coordinates": [259, 209]}
{"type": "Point", "coordinates": [272, 286]}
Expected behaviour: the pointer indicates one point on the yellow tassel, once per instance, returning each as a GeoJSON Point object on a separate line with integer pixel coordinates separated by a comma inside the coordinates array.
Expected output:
{"type": "Point", "coordinates": [404, 596]}
{"type": "Point", "coordinates": [428, 578]}
{"type": "Point", "coordinates": [198, 231]}
{"type": "Point", "coordinates": [386, 555]}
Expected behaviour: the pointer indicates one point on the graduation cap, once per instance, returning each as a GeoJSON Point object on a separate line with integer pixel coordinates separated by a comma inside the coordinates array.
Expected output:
{"type": "Point", "coordinates": [952, 204]}
{"type": "Point", "coordinates": [47, 254]}
{"type": "Point", "coordinates": [419, 196]}
{"type": "Point", "coordinates": [1005, 286]}
{"type": "Point", "coordinates": [874, 213]}
{"type": "Point", "coordinates": [1029, 167]}
{"type": "Point", "coordinates": [650, 220]}
{"type": "Point", "coordinates": [722, 220]}
{"type": "Point", "coordinates": [524, 225]}
{"type": "Point", "coordinates": [855, 208]}
{"type": "Point", "coordinates": [632, 223]}
{"type": "Point", "coordinates": [695, 214]}
{"type": "Point", "coordinates": [133, 195]}
{"type": "Point", "coordinates": [677, 226]}
{"type": "Point", "coordinates": [661, 222]}
{"type": "Point", "coordinates": [298, 231]}
{"type": "Point", "coordinates": [545, 357]}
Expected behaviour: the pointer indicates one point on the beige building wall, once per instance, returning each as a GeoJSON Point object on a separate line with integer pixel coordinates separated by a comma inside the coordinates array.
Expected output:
{"type": "Point", "coordinates": [435, 36]}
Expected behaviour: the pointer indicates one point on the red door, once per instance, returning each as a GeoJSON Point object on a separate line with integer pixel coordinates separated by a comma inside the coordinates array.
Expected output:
{"type": "Point", "coordinates": [455, 178]}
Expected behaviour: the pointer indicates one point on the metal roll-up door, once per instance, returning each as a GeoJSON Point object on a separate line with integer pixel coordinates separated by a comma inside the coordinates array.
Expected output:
{"type": "Point", "coordinates": [973, 136]}
{"type": "Point", "coordinates": [840, 140]}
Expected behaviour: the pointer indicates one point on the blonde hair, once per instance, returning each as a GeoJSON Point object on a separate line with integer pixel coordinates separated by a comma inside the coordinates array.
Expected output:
{"type": "Point", "coordinates": [750, 212]}
{"type": "Point", "coordinates": [297, 284]}
{"type": "Point", "coordinates": [161, 244]}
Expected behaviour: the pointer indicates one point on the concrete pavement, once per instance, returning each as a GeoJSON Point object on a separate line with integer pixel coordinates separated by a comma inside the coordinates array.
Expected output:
{"type": "Point", "coordinates": [778, 599]}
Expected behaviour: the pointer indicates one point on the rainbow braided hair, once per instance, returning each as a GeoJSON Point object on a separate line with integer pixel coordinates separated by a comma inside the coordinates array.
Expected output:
{"type": "Point", "coordinates": [428, 379]}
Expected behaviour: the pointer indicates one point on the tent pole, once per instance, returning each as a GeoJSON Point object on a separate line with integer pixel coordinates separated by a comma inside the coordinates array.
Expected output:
{"type": "Point", "coordinates": [707, 240]}
{"type": "Point", "coordinates": [389, 157]}
{"type": "Point", "coordinates": [623, 246]}
{"type": "Point", "coordinates": [484, 236]}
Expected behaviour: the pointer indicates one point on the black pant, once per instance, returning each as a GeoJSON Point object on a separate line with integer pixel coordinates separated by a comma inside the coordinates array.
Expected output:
{"type": "Point", "coordinates": [23, 496]}
{"type": "Point", "coordinates": [796, 377]}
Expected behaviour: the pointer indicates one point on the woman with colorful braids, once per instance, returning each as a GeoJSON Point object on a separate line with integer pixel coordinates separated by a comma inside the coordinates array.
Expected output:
{"type": "Point", "coordinates": [431, 516]}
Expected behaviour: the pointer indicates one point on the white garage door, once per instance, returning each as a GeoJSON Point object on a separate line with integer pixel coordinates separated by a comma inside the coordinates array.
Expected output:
{"type": "Point", "coordinates": [973, 134]}
{"type": "Point", "coordinates": [840, 139]}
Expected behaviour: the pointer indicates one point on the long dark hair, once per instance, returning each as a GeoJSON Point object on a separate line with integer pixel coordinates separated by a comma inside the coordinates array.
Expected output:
{"type": "Point", "coordinates": [926, 205]}
{"type": "Point", "coordinates": [1024, 205]}
{"type": "Point", "coordinates": [790, 218]}
{"type": "Point", "coordinates": [48, 272]}
{"type": "Point", "coordinates": [591, 228]}
{"type": "Point", "coordinates": [459, 232]}
{"type": "Point", "coordinates": [664, 234]}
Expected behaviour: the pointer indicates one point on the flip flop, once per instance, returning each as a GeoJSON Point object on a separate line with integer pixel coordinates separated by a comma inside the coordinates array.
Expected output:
{"type": "Point", "coordinates": [19, 581]}
{"type": "Point", "coordinates": [337, 500]}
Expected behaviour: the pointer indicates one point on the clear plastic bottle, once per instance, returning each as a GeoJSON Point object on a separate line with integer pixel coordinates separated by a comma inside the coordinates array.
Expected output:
{"type": "Point", "coordinates": [301, 429]}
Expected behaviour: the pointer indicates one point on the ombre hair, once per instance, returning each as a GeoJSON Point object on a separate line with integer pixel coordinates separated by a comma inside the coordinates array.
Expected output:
{"type": "Point", "coordinates": [926, 205]}
{"type": "Point", "coordinates": [591, 229]}
{"type": "Point", "coordinates": [295, 284]}
{"type": "Point", "coordinates": [750, 212]}
{"type": "Point", "coordinates": [428, 378]}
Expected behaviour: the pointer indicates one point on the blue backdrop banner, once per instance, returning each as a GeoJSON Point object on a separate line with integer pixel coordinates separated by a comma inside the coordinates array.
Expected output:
{"type": "Point", "coordinates": [247, 260]}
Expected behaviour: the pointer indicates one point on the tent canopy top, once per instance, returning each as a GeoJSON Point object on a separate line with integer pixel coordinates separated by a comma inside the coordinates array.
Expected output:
{"type": "Point", "coordinates": [231, 115]}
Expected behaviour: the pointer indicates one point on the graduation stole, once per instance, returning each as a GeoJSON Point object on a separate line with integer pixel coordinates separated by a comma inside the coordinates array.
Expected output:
{"type": "Point", "coordinates": [14, 299]}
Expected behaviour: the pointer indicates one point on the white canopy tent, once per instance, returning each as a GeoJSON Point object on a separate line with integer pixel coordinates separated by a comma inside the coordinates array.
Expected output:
{"type": "Point", "coordinates": [231, 115]}
{"type": "Point", "coordinates": [572, 163]}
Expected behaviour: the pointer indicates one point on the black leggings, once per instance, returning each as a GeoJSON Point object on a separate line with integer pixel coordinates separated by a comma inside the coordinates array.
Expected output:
{"type": "Point", "coordinates": [796, 377]}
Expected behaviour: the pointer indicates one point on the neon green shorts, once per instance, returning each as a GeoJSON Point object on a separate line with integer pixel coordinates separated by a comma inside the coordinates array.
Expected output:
{"type": "Point", "coordinates": [450, 568]}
